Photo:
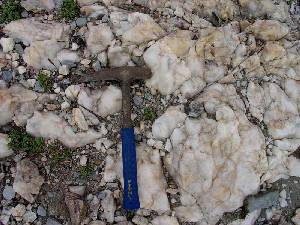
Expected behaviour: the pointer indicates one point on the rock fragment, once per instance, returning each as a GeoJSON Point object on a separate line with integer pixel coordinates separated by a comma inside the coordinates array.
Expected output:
{"type": "Point", "coordinates": [31, 5]}
{"type": "Point", "coordinates": [268, 30]}
{"type": "Point", "coordinates": [98, 37]}
{"type": "Point", "coordinates": [28, 180]}
{"type": "Point", "coordinates": [49, 125]}
{"type": "Point", "coordinates": [165, 220]}
{"type": "Point", "coordinates": [7, 44]}
{"type": "Point", "coordinates": [5, 151]}
{"type": "Point", "coordinates": [164, 125]}
{"type": "Point", "coordinates": [109, 206]}
{"type": "Point", "coordinates": [30, 30]}
{"type": "Point", "coordinates": [77, 208]}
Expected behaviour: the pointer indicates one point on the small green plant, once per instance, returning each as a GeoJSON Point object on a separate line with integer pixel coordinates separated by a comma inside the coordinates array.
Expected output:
{"type": "Point", "coordinates": [45, 82]}
{"type": "Point", "coordinates": [10, 11]}
{"type": "Point", "coordinates": [62, 156]}
{"type": "Point", "coordinates": [290, 2]}
{"type": "Point", "coordinates": [149, 114]}
{"type": "Point", "coordinates": [86, 171]}
{"type": "Point", "coordinates": [70, 9]}
{"type": "Point", "coordinates": [20, 140]}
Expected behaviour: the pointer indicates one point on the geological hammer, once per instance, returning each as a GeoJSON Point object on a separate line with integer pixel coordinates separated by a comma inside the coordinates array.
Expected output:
{"type": "Point", "coordinates": [125, 75]}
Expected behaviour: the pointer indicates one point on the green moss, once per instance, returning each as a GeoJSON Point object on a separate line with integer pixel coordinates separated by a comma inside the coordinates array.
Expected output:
{"type": "Point", "coordinates": [62, 155]}
{"type": "Point", "coordinates": [10, 11]}
{"type": "Point", "coordinates": [20, 140]}
{"type": "Point", "coordinates": [70, 9]}
{"type": "Point", "coordinates": [45, 82]}
{"type": "Point", "coordinates": [149, 114]}
{"type": "Point", "coordinates": [85, 171]}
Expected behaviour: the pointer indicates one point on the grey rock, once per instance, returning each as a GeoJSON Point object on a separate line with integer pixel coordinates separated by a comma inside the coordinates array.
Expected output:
{"type": "Point", "coordinates": [19, 49]}
{"type": "Point", "coordinates": [52, 222]}
{"type": "Point", "coordinates": [41, 211]}
{"type": "Point", "coordinates": [137, 100]}
{"type": "Point", "coordinates": [29, 217]}
{"type": "Point", "coordinates": [38, 87]}
{"type": "Point", "coordinates": [80, 22]}
{"type": "Point", "coordinates": [73, 25]}
{"type": "Point", "coordinates": [8, 193]}
{"type": "Point", "coordinates": [97, 66]}
{"type": "Point", "coordinates": [262, 201]}
{"type": "Point", "coordinates": [7, 75]}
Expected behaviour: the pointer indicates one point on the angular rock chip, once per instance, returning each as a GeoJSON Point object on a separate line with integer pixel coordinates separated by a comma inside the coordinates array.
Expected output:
{"type": "Point", "coordinates": [165, 220]}
{"type": "Point", "coordinates": [28, 180]}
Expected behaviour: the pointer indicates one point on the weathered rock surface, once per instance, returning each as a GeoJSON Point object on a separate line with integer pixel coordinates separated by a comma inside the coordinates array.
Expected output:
{"type": "Point", "coordinates": [7, 44]}
{"type": "Point", "coordinates": [143, 29]}
{"type": "Point", "coordinates": [296, 218]}
{"type": "Point", "coordinates": [103, 102]}
{"type": "Point", "coordinates": [17, 104]}
{"type": "Point", "coordinates": [30, 30]}
{"type": "Point", "coordinates": [5, 151]}
{"type": "Point", "coordinates": [164, 220]}
{"type": "Point", "coordinates": [168, 70]}
{"type": "Point", "coordinates": [33, 5]}
{"type": "Point", "coordinates": [109, 206]}
{"type": "Point", "coordinates": [28, 180]}
{"type": "Point", "coordinates": [98, 37]}
{"type": "Point", "coordinates": [165, 124]}
{"type": "Point", "coordinates": [43, 54]}
{"type": "Point", "coordinates": [268, 30]}
{"type": "Point", "coordinates": [151, 180]}
{"type": "Point", "coordinates": [211, 158]}
{"type": "Point", "coordinates": [49, 125]}
{"type": "Point", "coordinates": [77, 208]}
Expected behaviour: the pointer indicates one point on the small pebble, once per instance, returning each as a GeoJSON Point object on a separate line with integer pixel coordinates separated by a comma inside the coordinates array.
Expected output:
{"type": "Point", "coordinates": [41, 211]}
{"type": "Point", "coordinates": [8, 193]}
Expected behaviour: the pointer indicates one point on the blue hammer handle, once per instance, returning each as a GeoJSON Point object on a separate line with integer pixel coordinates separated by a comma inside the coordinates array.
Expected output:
{"type": "Point", "coordinates": [131, 195]}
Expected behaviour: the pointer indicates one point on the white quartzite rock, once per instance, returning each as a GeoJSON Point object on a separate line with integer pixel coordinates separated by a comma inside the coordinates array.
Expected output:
{"type": "Point", "coordinates": [98, 37]}
{"type": "Point", "coordinates": [103, 102]}
{"type": "Point", "coordinates": [16, 103]}
{"type": "Point", "coordinates": [165, 124]}
{"type": "Point", "coordinates": [30, 30]}
{"type": "Point", "coordinates": [49, 125]}
{"type": "Point", "coordinates": [211, 159]}
{"type": "Point", "coordinates": [43, 54]}
{"type": "Point", "coordinates": [143, 29]}
{"type": "Point", "coordinates": [151, 180]}
{"type": "Point", "coordinates": [27, 180]}
{"type": "Point", "coordinates": [39, 4]}
{"type": "Point", "coordinates": [164, 220]}
{"type": "Point", "coordinates": [7, 44]}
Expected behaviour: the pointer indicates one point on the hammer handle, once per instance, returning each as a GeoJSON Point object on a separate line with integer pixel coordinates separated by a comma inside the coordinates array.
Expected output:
{"type": "Point", "coordinates": [131, 195]}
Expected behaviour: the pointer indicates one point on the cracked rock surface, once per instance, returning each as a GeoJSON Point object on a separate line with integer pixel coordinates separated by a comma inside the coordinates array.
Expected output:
{"type": "Point", "coordinates": [217, 125]}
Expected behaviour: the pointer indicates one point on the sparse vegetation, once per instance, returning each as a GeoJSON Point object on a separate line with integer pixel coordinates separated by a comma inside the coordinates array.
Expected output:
{"type": "Point", "coordinates": [20, 140]}
{"type": "Point", "coordinates": [70, 9]}
{"type": "Point", "coordinates": [149, 114]}
{"type": "Point", "coordinates": [45, 81]}
{"type": "Point", "coordinates": [62, 155]}
{"type": "Point", "coordinates": [10, 11]}
{"type": "Point", "coordinates": [85, 171]}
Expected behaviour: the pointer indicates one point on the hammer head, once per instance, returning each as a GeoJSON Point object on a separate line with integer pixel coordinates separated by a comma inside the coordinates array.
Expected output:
{"type": "Point", "coordinates": [124, 74]}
